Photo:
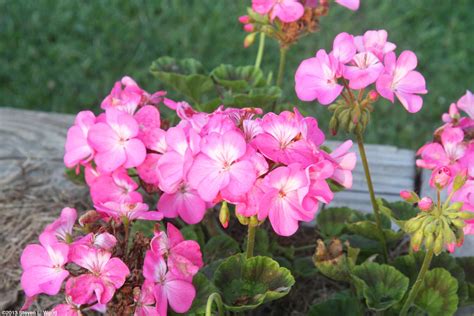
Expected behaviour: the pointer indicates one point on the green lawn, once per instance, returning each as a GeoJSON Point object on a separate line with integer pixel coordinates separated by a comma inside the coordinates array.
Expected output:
{"type": "Point", "coordinates": [64, 55]}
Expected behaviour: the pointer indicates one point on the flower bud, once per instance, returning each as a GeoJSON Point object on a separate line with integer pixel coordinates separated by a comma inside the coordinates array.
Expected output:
{"type": "Point", "coordinates": [242, 219]}
{"type": "Point", "coordinates": [249, 28]}
{"type": "Point", "coordinates": [466, 215]}
{"type": "Point", "coordinates": [409, 196]}
{"type": "Point", "coordinates": [438, 244]}
{"type": "Point", "coordinates": [416, 240]}
{"type": "Point", "coordinates": [244, 19]}
{"type": "Point", "coordinates": [373, 95]}
{"type": "Point", "coordinates": [249, 39]}
{"type": "Point", "coordinates": [425, 204]}
{"type": "Point", "coordinates": [459, 181]}
{"type": "Point", "coordinates": [89, 217]}
{"type": "Point", "coordinates": [333, 125]}
{"type": "Point", "coordinates": [224, 215]}
{"type": "Point", "coordinates": [441, 177]}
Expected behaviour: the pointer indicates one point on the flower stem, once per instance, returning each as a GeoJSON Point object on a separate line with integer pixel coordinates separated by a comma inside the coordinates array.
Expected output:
{"type": "Point", "coordinates": [261, 47]}
{"type": "Point", "coordinates": [378, 220]}
{"type": "Point", "coordinates": [214, 297]}
{"type": "Point", "coordinates": [250, 240]}
{"type": "Point", "coordinates": [281, 67]}
{"type": "Point", "coordinates": [419, 280]}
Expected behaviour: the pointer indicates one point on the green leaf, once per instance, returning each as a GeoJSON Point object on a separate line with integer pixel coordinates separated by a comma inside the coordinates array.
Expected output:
{"type": "Point", "coordinates": [258, 97]}
{"type": "Point", "coordinates": [304, 267]}
{"type": "Point", "coordinates": [437, 295]}
{"type": "Point", "coordinates": [146, 227]}
{"type": "Point", "coordinates": [369, 230]}
{"type": "Point", "coordinates": [410, 265]}
{"type": "Point", "coordinates": [185, 76]}
{"type": "Point", "coordinates": [381, 285]}
{"type": "Point", "coordinates": [342, 303]}
{"type": "Point", "coordinates": [219, 247]}
{"type": "Point", "coordinates": [332, 221]}
{"type": "Point", "coordinates": [247, 283]}
{"type": "Point", "coordinates": [77, 178]}
{"type": "Point", "coordinates": [238, 79]}
{"type": "Point", "coordinates": [399, 211]}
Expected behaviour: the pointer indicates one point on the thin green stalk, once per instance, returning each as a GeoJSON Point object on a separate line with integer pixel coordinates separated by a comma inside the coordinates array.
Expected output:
{"type": "Point", "coordinates": [281, 66]}
{"type": "Point", "coordinates": [250, 240]}
{"type": "Point", "coordinates": [214, 297]}
{"type": "Point", "coordinates": [419, 280]}
{"type": "Point", "coordinates": [261, 48]}
{"type": "Point", "coordinates": [378, 219]}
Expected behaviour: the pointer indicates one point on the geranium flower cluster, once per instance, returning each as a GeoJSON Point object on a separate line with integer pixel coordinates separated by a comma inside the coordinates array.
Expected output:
{"type": "Point", "coordinates": [269, 167]}
{"type": "Point", "coordinates": [354, 64]}
{"type": "Point", "coordinates": [287, 20]}
{"type": "Point", "coordinates": [94, 266]}
{"type": "Point", "coordinates": [451, 153]}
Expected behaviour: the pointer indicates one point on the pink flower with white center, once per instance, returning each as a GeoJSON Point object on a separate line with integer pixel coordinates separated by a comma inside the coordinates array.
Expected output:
{"type": "Point", "coordinates": [251, 129]}
{"type": "Point", "coordinates": [466, 103]}
{"type": "Point", "coordinates": [401, 80]}
{"type": "Point", "coordinates": [43, 267]}
{"type": "Point", "coordinates": [284, 191]}
{"type": "Point", "coordinates": [281, 140]}
{"type": "Point", "coordinates": [131, 211]}
{"type": "Point", "coordinates": [286, 10]}
{"type": "Point", "coordinates": [185, 202]}
{"type": "Point", "coordinates": [77, 149]}
{"type": "Point", "coordinates": [183, 144]}
{"type": "Point", "coordinates": [105, 275]}
{"type": "Point", "coordinates": [364, 70]}
{"type": "Point", "coordinates": [319, 190]}
{"type": "Point", "coordinates": [104, 241]}
{"type": "Point", "coordinates": [350, 4]}
{"type": "Point", "coordinates": [344, 162]}
{"type": "Point", "coordinates": [118, 187]}
{"type": "Point", "coordinates": [374, 42]}
{"type": "Point", "coordinates": [116, 143]}
{"type": "Point", "coordinates": [219, 167]}
{"type": "Point", "coordinates": [184, 257]}
{"type": "Point", "coordinates": [62, 227]}
{"type": "Point", "coordinates": [145, 300]}
{"type": "Point", "coordinates": [168, 288]}
{"type": "Point", "coordinates": [451, 149]}
{"type": "Point", "coordinates": [316, 79]}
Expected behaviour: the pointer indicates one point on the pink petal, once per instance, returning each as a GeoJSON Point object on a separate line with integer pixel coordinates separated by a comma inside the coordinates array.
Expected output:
{"type": "Point", "coordinates": [343, 47]}
{"type": "Point", "coordinates": [206, 176]}
{"type": "Point", "coordinates": [109, 161]}
{"type": "Point", "coordinates": [350, 4]}
{"type": "Point", "coordinates": [136, 152]}
{"type": "Point", "coordinates": [180, 294]}
{"type": "Point", "coordinates": [288, 11]}
{"type": "Point", "coordinates": [411, 102]}
{"type": "Point", "coordinates": [102, 137]}
{"type": "Point", "coordinates": [41, 279]}
{"type": "Point", "coordinates": [115, 271]}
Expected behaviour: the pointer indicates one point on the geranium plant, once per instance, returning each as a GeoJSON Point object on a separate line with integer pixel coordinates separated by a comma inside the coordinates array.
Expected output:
{"type": "Point", "coordinates": [163, 174]}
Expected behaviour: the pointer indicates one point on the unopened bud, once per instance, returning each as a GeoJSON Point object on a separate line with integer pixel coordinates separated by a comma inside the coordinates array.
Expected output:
{"type": "Point", "coordinates": [409, 196]}
{"type": "Point", "coordinates": [459, 181]}
{"type": "Point", "coordinates": [441, 177]}
{"type": "Point", "coordinates": [249, 28]}
{"type": "Point", "coordinates": [438, 244]}
{"type": "Point", "coordinates": [466, 215]}
{"type": "Point", "coordinates": [244, 19]}
{"type": "Point", "coordinates": [89, 217]}
{"type": "Point", "coordinates": [425, 204]}
{"type": "Point", "coordinates": [373, 95]}
{"type": "Point", "coordinates": [416, 240]}
{"type": "Point", "coordinates": [224, 215]}
{"type": "Point", "coordinates": [249, 39]}
{"type": "Point", "coordinates": [334, 125]}
{"type": "Point", "coordinates": [242, 219]}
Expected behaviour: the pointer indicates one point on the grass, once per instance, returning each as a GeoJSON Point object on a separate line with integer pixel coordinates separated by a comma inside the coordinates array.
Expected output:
{"type": "Point", "coordinates": [64, 56]}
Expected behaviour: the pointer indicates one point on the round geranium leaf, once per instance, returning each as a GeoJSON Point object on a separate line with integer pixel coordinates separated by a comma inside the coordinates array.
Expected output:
{"type": "Point", "coordinates": [332, 221]}
{"type": "Point", "coordinates": [437, 295]}
{"type": "Point", "coordinates": [247, 283]}
{"type": "Point", "coordinates": [220, 247]}
{"type": "Point", "coordinates": [381, 285]}
{"type": "Point", "coordinates": [238, 79]}
{"type": "Point", "coordinates": [342, 303]}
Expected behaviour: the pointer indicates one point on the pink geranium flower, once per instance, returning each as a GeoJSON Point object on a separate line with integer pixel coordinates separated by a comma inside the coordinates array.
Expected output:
{"type": "Point", "coordinates": [131, 211]}
{"type": "Point", "coordinates": [104, 241]}
{"type": "Point", "coordinates": [219, 167]}
{"type": "Point", "coordinates": [105, 275]}
{"type": "Point", "coordinates": [168, 288]}
{"type": "Point", "coordinates": [145, 300]}
{"type": "Point", "coordinates": [401, 80]}
{"type": "Point", "coordinates": [184, 257]}
{"type": "Point", "coordinates": [319, 190]}
{"type": "Point", "coordinates": [185, 202]}
{"type": "Point", "coordinates": [466, 103]}
{"type": "Point", "coordinates": [364, 70]}
{"type": "Point", "coordinates": [77, 149]}
{"type": "Point", "coordinates": [286, 10]}
{"type": "Point", "coordinates": [62, 228]}
{"type": "Point", "coordinates": [284, 190]}
{"type": "Point", "coordinates": [344, 162]}
{"type": "Point", "coordinates": [374, 42]}
{"type": "Point", "coordinates": [116, 143]}
{"type": "Point", "coordinates": [43, 267]}
{"type": "Point", "coordinates": [343, 47]}
{"type": "Point", "coordinates": [118, 187]}
{"type": "Point", "coordinates": [350, 4]}
{"type": "Point", "coordinates": [316, 79]}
